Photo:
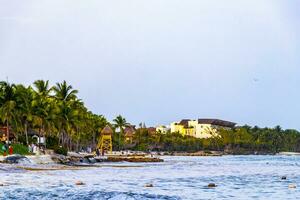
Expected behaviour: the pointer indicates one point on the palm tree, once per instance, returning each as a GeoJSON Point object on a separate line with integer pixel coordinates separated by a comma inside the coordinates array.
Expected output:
{"type": "Point", "coordinates": [41, 104]}
{"type": "Point", "coordinates": [120, 122]}
{"type": "Point", "coordinates": [42, 88]}
{"type": "Point", "coordinates": [67, 101]}
{"type": "Point", "coordinates": [24, 99]}
{"type": "Point", "coordinates": [60, 112]}
{"type": "Point", "coordinates": [7, 104]}
{"type": "Point", "coordinates": [65, 92]}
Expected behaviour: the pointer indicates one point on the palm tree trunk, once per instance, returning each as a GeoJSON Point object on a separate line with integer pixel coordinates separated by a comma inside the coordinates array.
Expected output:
{"type": "Point", "coordinates": [26, 132]}
{"type": "Point", "coordinates": [70, 144]}
{"type": "Point", "coordinates": [77, 142]}
{"type": "Point", "coordinates": [119, 140]}
{"type": "Point", "coordinates": [94, 140]}
{"type": "Point", "coordinates": [62, 138]}
{"type": "Point", "coordinates": [59, 137]}
{"type": "Point", "coordinates": [39, 137]}
{"type": "Point", "coordinates": [65, 137]}
{"type": "Point", "coordinates": [7, 131]}
{"type": "Point", "coordinates": [121, 132]}
{"type": "Point", "coordinates": [77, 145]}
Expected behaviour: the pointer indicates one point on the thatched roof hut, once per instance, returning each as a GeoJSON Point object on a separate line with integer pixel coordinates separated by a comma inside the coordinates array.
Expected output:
{"type": "Point", "coordinates": [107, 130]}
{"type": "Point", "coordinates": [129, 131]}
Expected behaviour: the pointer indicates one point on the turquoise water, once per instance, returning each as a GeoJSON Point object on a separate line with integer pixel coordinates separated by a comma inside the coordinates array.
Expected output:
{"type": "Point", "coordinates": [236, 177]}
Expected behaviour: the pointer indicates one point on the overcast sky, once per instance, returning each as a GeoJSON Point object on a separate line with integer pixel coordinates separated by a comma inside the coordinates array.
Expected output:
{"type": "Point", "coordinates": [160, 61]}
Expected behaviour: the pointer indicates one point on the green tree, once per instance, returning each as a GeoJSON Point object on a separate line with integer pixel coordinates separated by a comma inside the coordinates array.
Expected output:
{"type": "Point", "coordinates": [24, 99]}
{"type": "Point", "coordinates": [7, 104]}
{"type": "Point", "coordinates": [66, 99]}
{"type": "Point", "coordinates": [120, 123]}
{"type": "Point", "coordinates": [41, 105]}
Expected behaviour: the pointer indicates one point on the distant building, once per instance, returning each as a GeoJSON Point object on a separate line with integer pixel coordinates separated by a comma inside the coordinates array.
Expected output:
{"type": "Point", "coordinates": [201, 128]}
{"type": "Point", "coordinates": [151, 130]}
{"type": "Point", "coordinates": [36, 137]}
{"type": "Point", "coordinates": [162, 129]}
{"type": "Point", "coordinates": [129, 133]}
{"type": "Point", "coordinates": [185, 127]}
{"type": "Point", "coordinates": [3, 134]}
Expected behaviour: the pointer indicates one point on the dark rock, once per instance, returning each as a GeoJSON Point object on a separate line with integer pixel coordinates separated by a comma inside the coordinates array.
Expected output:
{"type": "Point", "coordinates": [149, 185]}
{"type": "Point", "coordinates": [292, 186]}
{"type": "Point", "coordinates": [211, 185]}
{"type": "Point", "coordinates": [61, 159]}
{"type": "Point", "coordinates": [79, 183]}
{"type": "Point", "coordinates": [88, 160]}
{"type": "Point", "coordinates": [283, 178]}
{"type": "Point", "coordinates": [14, 159]}
{"type": "Point", "coordinates": [74, 160]}
{"type": "Point", "coordinates": [92, 160]}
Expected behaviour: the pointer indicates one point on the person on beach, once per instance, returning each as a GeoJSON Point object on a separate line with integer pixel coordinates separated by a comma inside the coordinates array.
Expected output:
{"type": "Point", "coordinates": [97, 152]}
{"type": "Point", "coordinates": [34, 148]}
{"type": "Point", "coordinates": [4, 149]}
{"type": "Point", "coordinates": [10, 150]}
{"type": "Point", "coordinates": [29, 148]}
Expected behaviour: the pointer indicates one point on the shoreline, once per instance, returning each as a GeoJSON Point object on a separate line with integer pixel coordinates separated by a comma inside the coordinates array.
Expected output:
{"type": "Point", "coordinates": [155, 154]}
{"type": "Point", "coordinates": [39, 163]}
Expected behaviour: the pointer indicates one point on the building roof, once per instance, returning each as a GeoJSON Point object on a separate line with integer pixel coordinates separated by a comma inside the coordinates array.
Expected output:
{"type": "Point", "coordinates": [129, 131]}
{"type": "Point", "coordinates": [184, 122]}
{"type": "Point", "coordinates": [107, 130]}
{"type": "Point", "coordinates": [3, 130]}
{"type": "Point", "coordinates": [217, 122]}
{"type": "Point", "coordinates": [151, 129]}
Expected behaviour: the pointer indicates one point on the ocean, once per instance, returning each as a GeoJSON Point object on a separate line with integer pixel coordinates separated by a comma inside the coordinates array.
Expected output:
{"type": "Point", "coordinates": [236, 177]}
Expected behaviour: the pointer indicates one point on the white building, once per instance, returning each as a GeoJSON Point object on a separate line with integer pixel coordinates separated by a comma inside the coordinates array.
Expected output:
{"type": "Point", "coordinates": [162, 129]}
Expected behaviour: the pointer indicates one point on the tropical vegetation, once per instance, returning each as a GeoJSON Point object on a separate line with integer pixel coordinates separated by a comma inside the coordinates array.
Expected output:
{"type": "Point", "coordinates": [50, 111]}
{"type": "Point", "coordinates": [240, 140]}
{"type": "Point", "coordinates": [57, 113]}
{"type": "Point", "coordinates": [120, 123]}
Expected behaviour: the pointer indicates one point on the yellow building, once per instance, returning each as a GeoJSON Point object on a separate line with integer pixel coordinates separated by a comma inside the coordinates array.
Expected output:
{"type": "Point", "coordinates": [179, 127]}
{"type": "Point", "coordinates": [201, 128]}
{"type": "Point", "coordinates": [185, 127]}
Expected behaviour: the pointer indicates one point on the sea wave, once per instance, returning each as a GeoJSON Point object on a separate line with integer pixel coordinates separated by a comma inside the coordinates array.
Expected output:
{"type": "Point", "coordinates": [34, 194]}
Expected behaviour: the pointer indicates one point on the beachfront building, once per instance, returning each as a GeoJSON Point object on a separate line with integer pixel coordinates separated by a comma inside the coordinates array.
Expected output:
{"type": "Point", "coordinates": [201, 128]}
{"type": "Point", "coordinates": [3, 134]}
{"type": "Point", "coordinates": [184, 127]}
{"type": "Point", "coordinates": [129, 133]}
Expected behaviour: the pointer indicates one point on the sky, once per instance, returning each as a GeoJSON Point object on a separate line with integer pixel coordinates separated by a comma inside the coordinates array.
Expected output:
{"type": "Point", "coordinates": [163, 60]}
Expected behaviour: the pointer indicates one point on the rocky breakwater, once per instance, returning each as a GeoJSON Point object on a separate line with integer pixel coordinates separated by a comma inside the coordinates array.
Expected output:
{"type": "Point", "coordinates": [15, 159]}
{"type": "Point", "coordinates": [74, 159]}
